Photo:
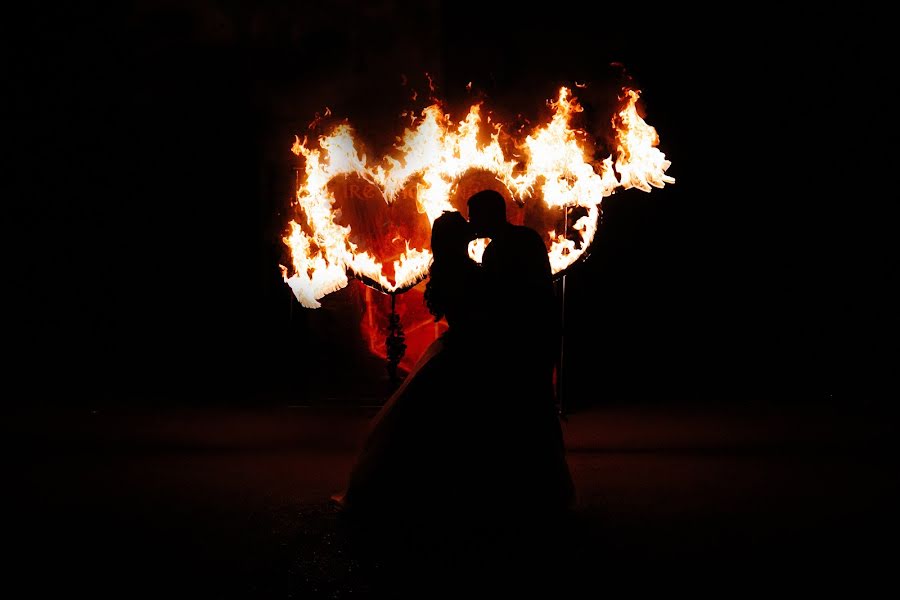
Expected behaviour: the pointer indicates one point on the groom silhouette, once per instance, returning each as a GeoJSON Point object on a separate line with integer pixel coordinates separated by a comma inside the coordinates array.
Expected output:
{"type": "Point", "coordinates": [519, 285]}
{"type": "Point", "coordinates": [518, 354]}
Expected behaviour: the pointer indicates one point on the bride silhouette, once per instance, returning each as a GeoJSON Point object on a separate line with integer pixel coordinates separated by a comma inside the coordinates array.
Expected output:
{"type": "Point", "coordinates": [463, 429]}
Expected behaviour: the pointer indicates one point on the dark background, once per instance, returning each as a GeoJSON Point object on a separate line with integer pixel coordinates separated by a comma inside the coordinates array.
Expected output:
{"type": "Point", "coordinates": [148, 176]}
{"type": "Point", "coordinates": [730, 339]}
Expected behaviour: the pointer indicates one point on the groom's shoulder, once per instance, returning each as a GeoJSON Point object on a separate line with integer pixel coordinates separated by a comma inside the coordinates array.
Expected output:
{"type": "Point", "coordinates": [524, 231]}
{"type": "Point", "coordinates": [527, 235]}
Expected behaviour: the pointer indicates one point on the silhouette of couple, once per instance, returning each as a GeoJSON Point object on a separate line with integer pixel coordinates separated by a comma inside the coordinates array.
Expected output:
{"type": "Point", "coordinates": [473, 429]}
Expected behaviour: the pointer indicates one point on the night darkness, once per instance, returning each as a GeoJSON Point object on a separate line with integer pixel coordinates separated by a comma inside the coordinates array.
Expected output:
{"type": "Point", "coordinates": [149, 174]}
{"type": "Point", "coordinates": [157, 175]}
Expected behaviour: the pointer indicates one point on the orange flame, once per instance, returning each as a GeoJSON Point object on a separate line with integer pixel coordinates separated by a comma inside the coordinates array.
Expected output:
{"type": "Point", "coordinates": [549, 166]}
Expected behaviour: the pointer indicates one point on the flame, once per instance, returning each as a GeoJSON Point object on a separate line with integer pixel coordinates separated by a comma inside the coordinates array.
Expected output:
{"type": "Point", "coordinates": [476, 248]}
{"type": "Point", "coordinates": [549, 165]}
{"type": "Point", "coordinates": [640, 163]}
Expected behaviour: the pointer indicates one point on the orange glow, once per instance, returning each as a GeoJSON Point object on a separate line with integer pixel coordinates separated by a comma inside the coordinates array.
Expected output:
{"type": "Point", "coordinates": [419, 326]}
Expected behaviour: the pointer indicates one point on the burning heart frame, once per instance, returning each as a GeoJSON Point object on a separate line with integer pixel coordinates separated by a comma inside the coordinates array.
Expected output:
{"type": "Point", "coordinates": [549, 164]}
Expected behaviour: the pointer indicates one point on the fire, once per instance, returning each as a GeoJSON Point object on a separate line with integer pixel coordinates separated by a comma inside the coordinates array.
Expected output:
{"type": "Point", "coordinates": [550, 166]}
{"type": "Point", "coordinates": [640, 163]}
{"type": "Point", "coordinates": [476, 248]}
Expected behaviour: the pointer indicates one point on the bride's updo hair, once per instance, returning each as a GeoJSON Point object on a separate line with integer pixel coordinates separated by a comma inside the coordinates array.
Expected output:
{"type": "Point", "coordinates": [450, 237]}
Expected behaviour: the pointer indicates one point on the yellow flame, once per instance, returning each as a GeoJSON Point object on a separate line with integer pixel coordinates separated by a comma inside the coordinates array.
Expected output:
{"type": "Point", "coordinates": [554, 167]}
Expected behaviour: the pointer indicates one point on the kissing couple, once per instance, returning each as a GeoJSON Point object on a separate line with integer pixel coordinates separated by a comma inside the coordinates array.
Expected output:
{"type": "Point", "coordinates": [473, 430]}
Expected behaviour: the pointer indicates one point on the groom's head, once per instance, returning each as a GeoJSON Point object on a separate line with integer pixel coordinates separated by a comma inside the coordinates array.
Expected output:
{"type": "Point", "coordinates": [487, 213]}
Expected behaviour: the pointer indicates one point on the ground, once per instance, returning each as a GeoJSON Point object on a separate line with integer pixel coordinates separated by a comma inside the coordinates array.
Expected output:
{"type": "Point", "coordinates": [233, 502]}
